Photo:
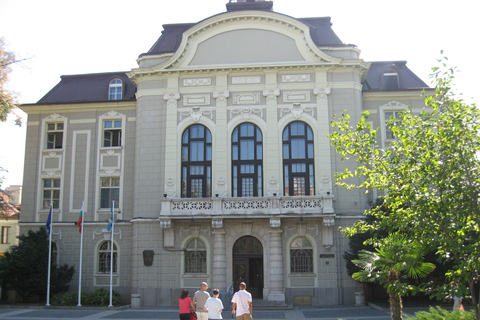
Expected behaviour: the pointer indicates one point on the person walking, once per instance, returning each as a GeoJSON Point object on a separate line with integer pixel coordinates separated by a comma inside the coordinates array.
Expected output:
{"type": "Point", "coordinates": [242, 303]}
{"type": "Point", "coordinates": [185, 304]}
{"type": "Point", "coordinates": [214, 306]}
{"type": "Point", "coordinates": [199, 300]}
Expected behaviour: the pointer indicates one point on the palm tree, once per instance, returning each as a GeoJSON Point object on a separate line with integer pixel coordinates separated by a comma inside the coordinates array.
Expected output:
{"type": "Point", "coordinates": [396, 258]}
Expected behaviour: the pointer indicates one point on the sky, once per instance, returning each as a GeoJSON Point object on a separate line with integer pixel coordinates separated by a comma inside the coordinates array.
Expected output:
{"type": "Point", "coordinates": [61, 37]}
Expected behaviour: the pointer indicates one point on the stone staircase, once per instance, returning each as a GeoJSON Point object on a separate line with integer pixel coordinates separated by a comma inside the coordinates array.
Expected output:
{"type": "Point", "coordinates": [260, 304]}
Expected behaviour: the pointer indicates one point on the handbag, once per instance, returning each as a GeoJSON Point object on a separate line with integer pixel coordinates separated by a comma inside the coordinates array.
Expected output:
{"type": "Point", "coordinates": [193, 315]}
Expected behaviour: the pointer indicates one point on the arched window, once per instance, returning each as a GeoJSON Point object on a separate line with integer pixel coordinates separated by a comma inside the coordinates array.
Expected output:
{"type": "Point", "coordinates": [301, 256]}
{"type": "Point", "coordinates": [196, 162]}
{"type": "Point", "coordinates": [390, 79]}
{"type": "Point", "coordinates": [104, 256]}
{"type": "Point", "coordinates": [195, 256]}
{"type": "Point", "coordinates": [115, 89]}
{"type": "Point", "coordinates": [298, 173]}
{"type": "Point", "coordinates": [247, 164]}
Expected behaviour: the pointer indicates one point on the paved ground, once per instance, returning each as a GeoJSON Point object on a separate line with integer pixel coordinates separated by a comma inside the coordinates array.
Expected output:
{"type": "Point", "coordinates": [169, 313]}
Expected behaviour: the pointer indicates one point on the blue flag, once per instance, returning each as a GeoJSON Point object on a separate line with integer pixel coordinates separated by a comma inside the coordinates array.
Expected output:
{"type": "Point", "coordinates": [110, 221]}
{"type": "Point", "coordinates": [49, 219]}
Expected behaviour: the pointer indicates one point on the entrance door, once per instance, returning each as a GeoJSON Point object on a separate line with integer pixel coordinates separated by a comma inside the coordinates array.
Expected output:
{"type": "Point", "coordinates": [248, 265]}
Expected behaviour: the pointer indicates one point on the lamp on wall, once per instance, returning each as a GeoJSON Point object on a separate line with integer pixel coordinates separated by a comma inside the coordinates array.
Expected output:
{"type": "Point", "coordinates": [164, 195]}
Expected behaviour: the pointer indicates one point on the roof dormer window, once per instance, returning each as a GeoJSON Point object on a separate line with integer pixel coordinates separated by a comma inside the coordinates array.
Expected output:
{"type": "Point", "coordinates": [115, 89]}
{"type": "Point", "coordinates": [390, 79]}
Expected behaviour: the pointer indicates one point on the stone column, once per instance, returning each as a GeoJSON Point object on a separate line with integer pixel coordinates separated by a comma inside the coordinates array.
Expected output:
{"type": "Point", "coordinates": [276, 286]}
{"type": "Point", "coordinates": [219, 272]}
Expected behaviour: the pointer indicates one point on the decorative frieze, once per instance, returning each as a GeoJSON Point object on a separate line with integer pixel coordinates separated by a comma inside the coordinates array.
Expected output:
{"type": "Point", "coordinates": [246, 98]}
{"type": "Point", "coordinates": [221, 95]}
{"type": "Point", "coordinates": [246, 112]}
{"type": "Point", "coordinates": [195, 113]}
{"type": "Point", "coordinates": [197, 82]}
{"type": "Point", "coordinates": [297, 109]}
{"type": "Point", "coordinates": [322, 92]}
{"type": "Point", "coordinates": [296, 96]}
{"type": "Point", "coordinates": [196, 100]}
{"type": "Point", "coordinates": [246, 79]}
{"type": "Point", "coordinates": [296, 78]}
{"type": "Point", "coordinates": [171, 98]}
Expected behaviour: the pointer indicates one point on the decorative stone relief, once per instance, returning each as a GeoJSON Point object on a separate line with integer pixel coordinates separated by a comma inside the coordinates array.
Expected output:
{"type": "Point", "coordinates": [196, 100]}
{"type": "Point", "coordinates": [246, 98]}
{"type": "Point", "coordinates": [195, 113]}
{"type": "Point", "coordinates": [247, 228]}
{"type": "Point", "coordinates": [272, 186]}
{"type": "Point", "coordinates": [271, 94]}
{"type": "Point", "coordinates": [170, 188]}
{"type": "Point", "coordinates": [295, 78]}
{"type": "Point", "coordinates": [221, 187]}
{"type": "Point", "coordinates": [246, 112]}
{"type": "Point", "coordinates": [275, 222]}
{"type": "Point", "coordinates": [301, 229]}
{"type": "Point", "coordinates": [297, 109]}
{"type": "Point", "coordinates": [217, 223]}
{"type": "Point", "coordinates": [246, 79]}
{"type": "Point", "coordinates": [296, 96]}
{"type": "Point", "coordinates": [165, 223]}
{"type": "Point", "coordinates": [221, 95]}
{"type": "Point", "coordinates": [171, 98]}
{"type": "Point", "coordinates": [329, 222]}
{"type": "Point", "coordinates": [197, 82]}
{"type": "Point", "coordinates": [112, 114]}
{"type": "Point", "coordinates": [322, 92]}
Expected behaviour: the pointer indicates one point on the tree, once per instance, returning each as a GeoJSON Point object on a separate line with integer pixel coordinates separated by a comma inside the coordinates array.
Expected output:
{"type": "Point", "coordinates": [429, 176]}
{"type": "Point", "coordinates": [395, 259]}
{"type": "Point", "coordinates": [25, 267]}
{"type": "Point", "coordinates": [8, 100]}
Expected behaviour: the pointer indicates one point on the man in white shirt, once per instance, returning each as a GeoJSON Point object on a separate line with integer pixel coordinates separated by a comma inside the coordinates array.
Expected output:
{"type": "Point", "coordinates": [199, 300]}
{"type": "Point", "coordinates": [242, 303]}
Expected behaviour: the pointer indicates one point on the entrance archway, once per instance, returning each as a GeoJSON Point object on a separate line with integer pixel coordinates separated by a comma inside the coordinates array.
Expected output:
{"type": "Point", "coordinates": [248, 265]}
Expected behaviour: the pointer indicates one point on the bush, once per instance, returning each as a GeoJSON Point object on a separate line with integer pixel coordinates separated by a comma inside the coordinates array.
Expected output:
{"type": "Point", "coordinates": [442, 314]}
{"type": "Point", "coordinates": [97, 298]}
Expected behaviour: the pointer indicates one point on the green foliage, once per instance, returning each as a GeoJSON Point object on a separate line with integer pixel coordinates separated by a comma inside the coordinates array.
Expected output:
{"type": "Point", "coordinates": [97, 298]}
{"type": "Point", "coordinates": [25, 267]}
{"type": "Point", "coordinates": [441, 314]}
{"type": "Point", "coordinates": [429, 176]}
{"type": "Point", "coordinates": [8, 100]}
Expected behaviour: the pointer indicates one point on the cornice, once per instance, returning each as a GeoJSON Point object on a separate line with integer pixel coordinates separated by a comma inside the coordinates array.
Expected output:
{"type": "Point", "coordinates": [78, 107]}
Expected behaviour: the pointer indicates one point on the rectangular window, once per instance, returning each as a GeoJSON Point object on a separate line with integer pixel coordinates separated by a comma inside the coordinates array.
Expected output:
{"type": "Point", "coordinates": [109, 191]}
{"type": "Point", "coordinates": [112, 133]}
{"type": "Point", "coordinates": [391, 115]}
{"type": "Point", "coordinates": [5, 235]}
{"type": "Point", "coordinates": [51, 193]}
{"type": "Point", "coordinates": [55, 135]}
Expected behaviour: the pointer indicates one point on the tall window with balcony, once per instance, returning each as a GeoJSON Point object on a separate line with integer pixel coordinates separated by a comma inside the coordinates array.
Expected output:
{"type": "Point", "coordinates": [115, 89]}
{"type": "Point", "coordinates": [109, 191]}
{"type": "Point", "coordinates": [298, 158]}
{"type": "Point", "coordinates": [247, 165]}
{"type": "Point", "coordinates": [196, 162]}
{"type": "Point", "coordinates": [112, 133]}
{"type": "Point", "coordinates": [54, 135]}
{"type": "Point", "coordinates": [51, 193]}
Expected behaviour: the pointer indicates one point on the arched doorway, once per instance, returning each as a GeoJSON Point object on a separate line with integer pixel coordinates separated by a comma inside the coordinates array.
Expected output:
{"type": "Point", "coordinates": [248, 265]}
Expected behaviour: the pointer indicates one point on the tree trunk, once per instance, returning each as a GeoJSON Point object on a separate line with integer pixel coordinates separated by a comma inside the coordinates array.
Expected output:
{"type": "Point", "coordinates": [475, 298]}
{"type": "Point", "coordinates": [394, 298]}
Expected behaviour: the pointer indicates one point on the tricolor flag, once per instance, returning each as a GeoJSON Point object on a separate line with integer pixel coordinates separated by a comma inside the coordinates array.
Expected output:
{"type": "Point", "coordinates": [80, 220]}
{"type": "Point", "coordinates": [110, 221]}
{"type": "Point", "coordinates": [49, 219]}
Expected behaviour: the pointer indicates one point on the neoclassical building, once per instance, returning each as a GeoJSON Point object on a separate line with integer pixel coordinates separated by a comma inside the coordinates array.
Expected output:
{"type": "Point", "coordinates": [216, 156]}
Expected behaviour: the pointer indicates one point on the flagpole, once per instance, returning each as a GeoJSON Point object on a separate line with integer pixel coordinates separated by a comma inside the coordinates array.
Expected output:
{"type": "Point", "coordinates": [81, 254]}
{"type": "Point", "coordinates": [111, 255]}
{"type": "Point", "coordinates": [50, 229]}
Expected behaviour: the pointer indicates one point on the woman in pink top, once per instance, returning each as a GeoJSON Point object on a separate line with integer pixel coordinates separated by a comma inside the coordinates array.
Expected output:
{"type": "Point", "coordinates": [185, 304]}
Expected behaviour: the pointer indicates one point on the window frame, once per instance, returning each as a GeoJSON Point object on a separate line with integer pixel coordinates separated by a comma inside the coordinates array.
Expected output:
{"type": "Point", "coordinates": [115, 89]}
{"type": "Point", "coordinates": [103, 256]}
{"type": "Point", "coordinates": [308, 267]}
{"type": "Point", "coordinates": [254, 144]}
{"type": "Point", "coordinates": [115, 130]}
{"type": "Point", "coordinates": [5, 235]}
{"type": "Point", "coordinates": [52, 188]}
{"type": "Point", "coordinates": [197, 253]}
{"type": "Point", "coordinates": [57, 134]}
{"type": "Point", "coordinates": [107, 204]}
{"type": "Point", "coordinates": [292, 165]}
{"type": "Point", "coordinates": [196, 170]}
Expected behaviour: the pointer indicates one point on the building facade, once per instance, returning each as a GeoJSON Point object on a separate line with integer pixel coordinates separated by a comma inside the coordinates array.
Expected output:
{"type": "Point", "coordinates": [214, 152]}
